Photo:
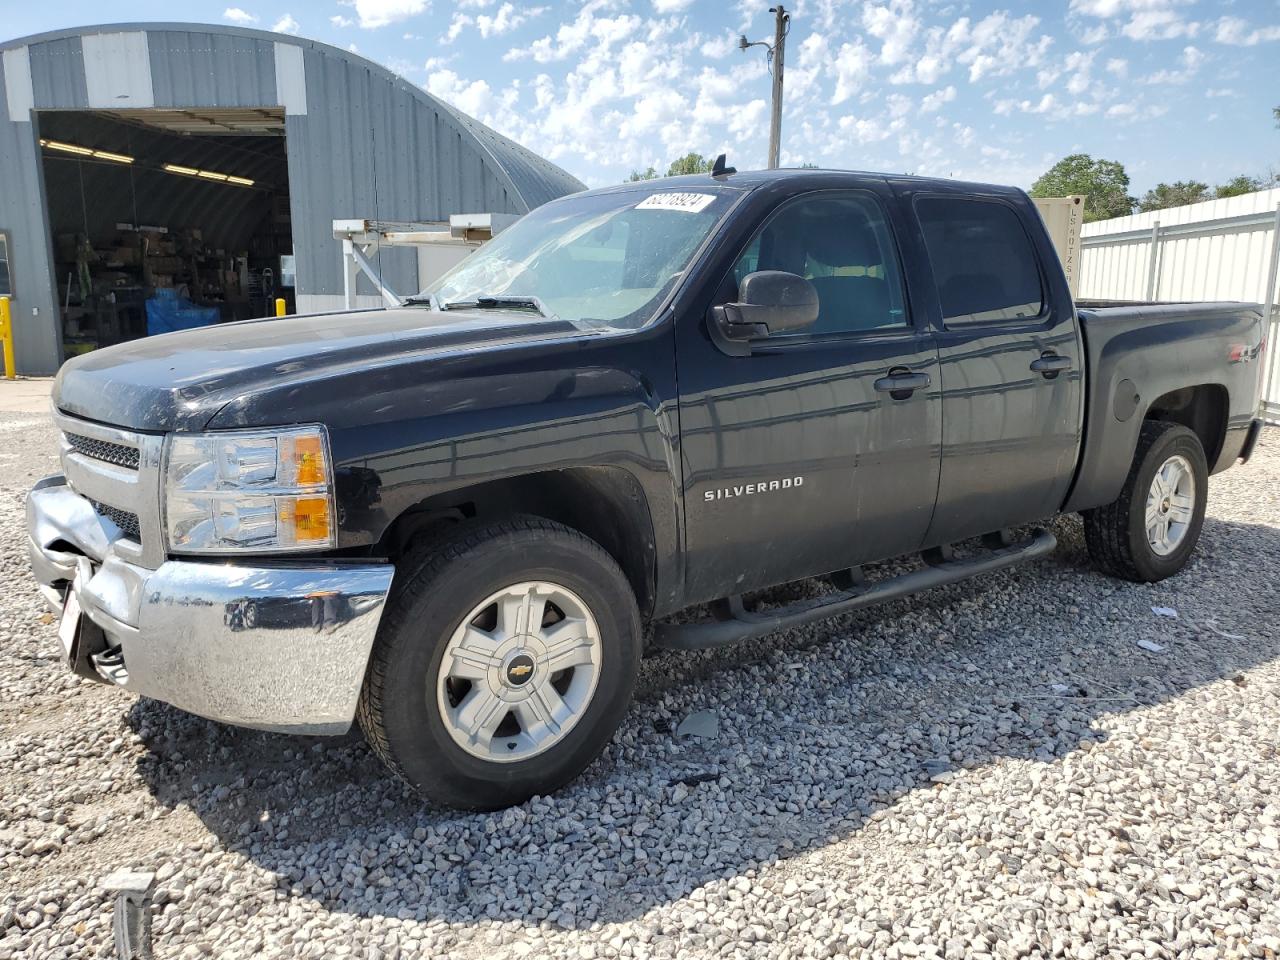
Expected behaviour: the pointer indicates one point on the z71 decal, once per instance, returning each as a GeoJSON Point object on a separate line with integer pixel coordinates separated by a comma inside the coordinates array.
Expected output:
{"type": "Point", "coordinates": [751, 489]}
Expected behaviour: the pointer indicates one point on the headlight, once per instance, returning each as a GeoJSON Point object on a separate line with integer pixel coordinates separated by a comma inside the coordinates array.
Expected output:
{"type": "Point", "coordinates": [259, 491]}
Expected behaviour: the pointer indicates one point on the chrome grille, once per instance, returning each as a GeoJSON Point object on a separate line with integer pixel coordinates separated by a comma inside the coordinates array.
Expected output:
{"type": "Point", "coordinates": [118, 472]}
{"type": "Point", "coordinates": [105, 450]}
{"type": "Point", "coordinates": [126, 521]}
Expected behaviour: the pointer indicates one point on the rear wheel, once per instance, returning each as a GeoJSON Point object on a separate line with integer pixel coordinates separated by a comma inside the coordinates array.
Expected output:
{"type": "Point", "coordinates": [503, 665]}
{"type": "Point", "coordinates": [1150, 530]}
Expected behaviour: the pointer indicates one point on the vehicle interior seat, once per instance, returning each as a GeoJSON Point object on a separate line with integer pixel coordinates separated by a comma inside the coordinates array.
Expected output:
{"type": "Point", "coordinates": [847, 302]}
{"type": "Point", "coordinates": [825, 249]}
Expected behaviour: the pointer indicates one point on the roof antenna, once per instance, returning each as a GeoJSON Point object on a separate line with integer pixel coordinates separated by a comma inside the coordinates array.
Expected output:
{"type": "Point", "coordinates": [718, 169]}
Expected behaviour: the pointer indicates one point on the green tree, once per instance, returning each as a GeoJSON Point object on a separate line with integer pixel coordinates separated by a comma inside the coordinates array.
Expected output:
{"type": "Point", "coordinates": [1104, 182]}
{"type": "Point", "coordinates": [1238, 185]}
{"type": "Point", "coordinates": [646, 174]}
{"type": "Point", "coordinates": [689, 163]}
{"type": "Point", "coordinates": [1165, 195]}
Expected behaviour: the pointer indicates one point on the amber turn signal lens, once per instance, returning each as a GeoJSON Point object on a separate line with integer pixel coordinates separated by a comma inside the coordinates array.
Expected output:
{"type": "Point", "coordinates": [310, 519]}
{"type": "Point", "coordinates": [308, 457]}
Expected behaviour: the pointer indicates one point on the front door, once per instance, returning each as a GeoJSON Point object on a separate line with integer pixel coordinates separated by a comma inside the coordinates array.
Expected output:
{"type": "Point", "coordinates": [803, 458]}
{"type": "Point", "coordinates": [1011, 362]}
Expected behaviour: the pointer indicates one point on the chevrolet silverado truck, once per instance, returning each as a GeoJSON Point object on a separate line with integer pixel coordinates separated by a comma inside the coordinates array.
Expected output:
{"type": "Point", "coordinates": [462, 522]}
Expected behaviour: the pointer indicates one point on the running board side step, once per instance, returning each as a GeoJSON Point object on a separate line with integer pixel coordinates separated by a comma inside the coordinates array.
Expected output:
{"type": "Point", "coordinates": [738, 623]}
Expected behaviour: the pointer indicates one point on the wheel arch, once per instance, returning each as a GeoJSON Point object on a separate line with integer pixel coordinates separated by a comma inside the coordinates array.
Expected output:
{"type": "Point", "coordinates": [1202, 409]}
{"type": "Point", "coordinates": [605, 503]}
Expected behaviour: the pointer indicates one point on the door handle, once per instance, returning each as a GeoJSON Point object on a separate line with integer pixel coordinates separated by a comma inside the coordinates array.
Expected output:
{"type": "Point", "coordinates": [900, 383]}
{"type": "Point", "coordinates": [1049, 365]}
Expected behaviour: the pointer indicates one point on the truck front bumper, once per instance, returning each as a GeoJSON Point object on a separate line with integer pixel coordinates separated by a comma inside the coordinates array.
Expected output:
{"type": "Point", "coordinates": [273, 645]}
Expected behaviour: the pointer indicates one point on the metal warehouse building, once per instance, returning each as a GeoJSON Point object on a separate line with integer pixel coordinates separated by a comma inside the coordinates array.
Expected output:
{"type": "Point", "coordinates": [206, 164]}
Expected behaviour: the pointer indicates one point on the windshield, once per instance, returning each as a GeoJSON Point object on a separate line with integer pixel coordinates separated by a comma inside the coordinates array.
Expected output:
{"type": "Point", "coordinates": [597, 260]}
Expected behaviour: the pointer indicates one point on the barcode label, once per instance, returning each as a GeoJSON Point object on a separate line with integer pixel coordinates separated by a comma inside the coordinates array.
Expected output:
{"type": "Point", "coordinates": [688, 202]}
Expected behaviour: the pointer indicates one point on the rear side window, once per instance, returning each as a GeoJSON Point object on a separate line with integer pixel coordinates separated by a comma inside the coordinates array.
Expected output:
{"type": "Point", "coordinates": [983, 261]}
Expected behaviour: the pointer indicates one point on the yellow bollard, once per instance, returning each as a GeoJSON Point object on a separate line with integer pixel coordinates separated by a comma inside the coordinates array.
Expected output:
{"type": "Point", "coordinates": [6, 338]}
{"type": "Point", "coordinates": [279, 306]}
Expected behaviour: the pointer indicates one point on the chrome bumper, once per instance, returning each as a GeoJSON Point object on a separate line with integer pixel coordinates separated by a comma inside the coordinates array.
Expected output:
{"type": "Point", "coordinates": [274, 645]}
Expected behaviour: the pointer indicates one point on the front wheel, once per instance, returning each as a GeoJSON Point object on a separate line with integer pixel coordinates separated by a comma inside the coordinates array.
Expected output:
{"type": "Point", "coordinates": [1150, 530]}
{"type": "Point", "coordinates": [503, 665]}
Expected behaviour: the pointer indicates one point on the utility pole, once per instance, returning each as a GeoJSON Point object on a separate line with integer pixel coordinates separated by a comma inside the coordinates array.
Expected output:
{"type": "Point", "coordinates": [777, 50]}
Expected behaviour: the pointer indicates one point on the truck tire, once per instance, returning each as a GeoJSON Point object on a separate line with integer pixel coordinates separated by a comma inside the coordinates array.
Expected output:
{"type": "Point", "coordinates": [504, 663]}
{"type": "Point", "coordinates": [1149, 531]}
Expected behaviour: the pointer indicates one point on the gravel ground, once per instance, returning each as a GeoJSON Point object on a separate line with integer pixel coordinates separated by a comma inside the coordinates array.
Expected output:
{"type": "Point", "coordinates": [991, 769]}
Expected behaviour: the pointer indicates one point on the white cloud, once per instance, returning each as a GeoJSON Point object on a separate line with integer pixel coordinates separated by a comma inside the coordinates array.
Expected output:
{"type": "Point", "coordinates": [1095, 35]}
{"type": "Point", "coordinates": [237, 15]}
{"type": "Point", "coordinates": [459, 23]}
{"type": "Point", "coordinates": [286, 24]}
{"type": "Point", "coordinates": [1076, 68]}
{"type": "Point", "coordinates": [869, 129]}
{"type": "Point", "coordinates": [935, 100]}
{"type": "Point", "coordinates": [1136, 111]}
{"type": "Point", "coordinates": [895, 25]}
{"type": "Point", "coordinates": [995, 46]}
{"type": "Point", "coordinates": [1237, 32]}
{"type": "Point", "coordinates": [579, 34]}
{"type": "Point", "coordinates": [1159, 25]}
{"type": "Point", "coordinates": [1045, 104]}
{"type": "Point", "coordinates": [338, 20]}
{"type": "Point", "coordinates": [505, 20]}
{"type": "Point", "coordinates": [625, 83]}
{"type": "Point", "coordinates": [379, 13]}
{"type": "Point", "coordinates": [1146, 19]}
{"type": "Point", "coordinates": [474, 98]}
{"type": "Point", "coordinates": [1191, 61]}
{"type": "Point", "coordinates": [717, 48]}
{"type": "Point", "coordinates": [853, 66]}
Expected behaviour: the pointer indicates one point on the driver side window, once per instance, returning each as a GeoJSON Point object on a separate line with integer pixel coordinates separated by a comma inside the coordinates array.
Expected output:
{"type": "Point", "coordinates": [842, 245]}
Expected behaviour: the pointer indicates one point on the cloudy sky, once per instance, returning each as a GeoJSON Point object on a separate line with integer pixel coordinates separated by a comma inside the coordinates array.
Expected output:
{"type": "Point", "coordinates": [1174, 89]}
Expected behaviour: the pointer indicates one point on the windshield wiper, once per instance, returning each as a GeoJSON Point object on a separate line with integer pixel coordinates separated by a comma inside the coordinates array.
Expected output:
{"type": "Point", "coordinates": [429, 300]}
{"type": "Point", "coordinates": [499, 303]}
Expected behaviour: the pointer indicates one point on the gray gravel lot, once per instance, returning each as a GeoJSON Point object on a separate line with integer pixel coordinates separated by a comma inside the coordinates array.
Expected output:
{"type": "Point", "coordinates": [904, 782]}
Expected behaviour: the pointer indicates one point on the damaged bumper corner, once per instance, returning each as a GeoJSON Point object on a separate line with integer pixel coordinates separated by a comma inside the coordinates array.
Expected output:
{"type": "Point", "coordinates": [275, 645]}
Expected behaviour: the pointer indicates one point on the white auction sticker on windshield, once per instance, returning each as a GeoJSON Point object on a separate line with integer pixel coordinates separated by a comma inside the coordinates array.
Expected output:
{"type": "Point", "coordinates": [687, 202]}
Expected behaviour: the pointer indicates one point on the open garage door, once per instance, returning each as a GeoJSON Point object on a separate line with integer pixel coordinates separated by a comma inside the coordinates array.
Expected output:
{"type": "Point", "coordinates": [165, 219]}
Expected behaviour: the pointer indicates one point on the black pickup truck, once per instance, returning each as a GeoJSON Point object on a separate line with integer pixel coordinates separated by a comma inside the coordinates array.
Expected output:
{"type": "Point", "coordinates": [463, 521]}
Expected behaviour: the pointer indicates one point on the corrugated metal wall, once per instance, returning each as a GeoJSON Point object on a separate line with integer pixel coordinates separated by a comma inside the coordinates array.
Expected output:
{"type": "Point", "coordinates": [1217, 250]}
{"type": "Point", "coordinates": [36, 322]}
{"type": "Point", "coordinates": [361, 142]}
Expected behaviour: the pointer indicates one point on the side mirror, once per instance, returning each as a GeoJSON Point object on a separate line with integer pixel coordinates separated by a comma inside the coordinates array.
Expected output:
{"type": "Point", "coordinates": [769, 302]}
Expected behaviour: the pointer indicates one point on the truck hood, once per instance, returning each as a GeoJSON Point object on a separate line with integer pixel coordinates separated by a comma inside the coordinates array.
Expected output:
{"type": "Point", "coordinates": [179, 381]}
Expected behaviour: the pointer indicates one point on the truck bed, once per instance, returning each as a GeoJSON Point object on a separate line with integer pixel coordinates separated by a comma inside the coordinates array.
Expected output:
{"type": "Point", "coordinates": [1142, 354]}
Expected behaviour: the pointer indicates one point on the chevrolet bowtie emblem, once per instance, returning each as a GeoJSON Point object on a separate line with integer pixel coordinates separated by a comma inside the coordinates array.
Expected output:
{"type": "Point", "coordinates": [520, 669]}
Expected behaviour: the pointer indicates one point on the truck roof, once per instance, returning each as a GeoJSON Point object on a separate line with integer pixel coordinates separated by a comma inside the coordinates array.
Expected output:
{"type": "Point", "coordinates": [750, 179]}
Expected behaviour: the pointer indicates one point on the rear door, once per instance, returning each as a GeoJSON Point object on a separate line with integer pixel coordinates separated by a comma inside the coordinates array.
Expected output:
{"type": "Point", "coordinates": [1011, 363]}
{"type": "Point", "coordinates": [800, 459]}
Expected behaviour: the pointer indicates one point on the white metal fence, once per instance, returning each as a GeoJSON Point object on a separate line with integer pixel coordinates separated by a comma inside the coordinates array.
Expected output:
{"type": "Point", "coordinates": [1218, 250]}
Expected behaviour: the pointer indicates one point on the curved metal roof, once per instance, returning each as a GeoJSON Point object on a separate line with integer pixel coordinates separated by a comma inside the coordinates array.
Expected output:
{"type": "Point", "coordinates": [530, 179]}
